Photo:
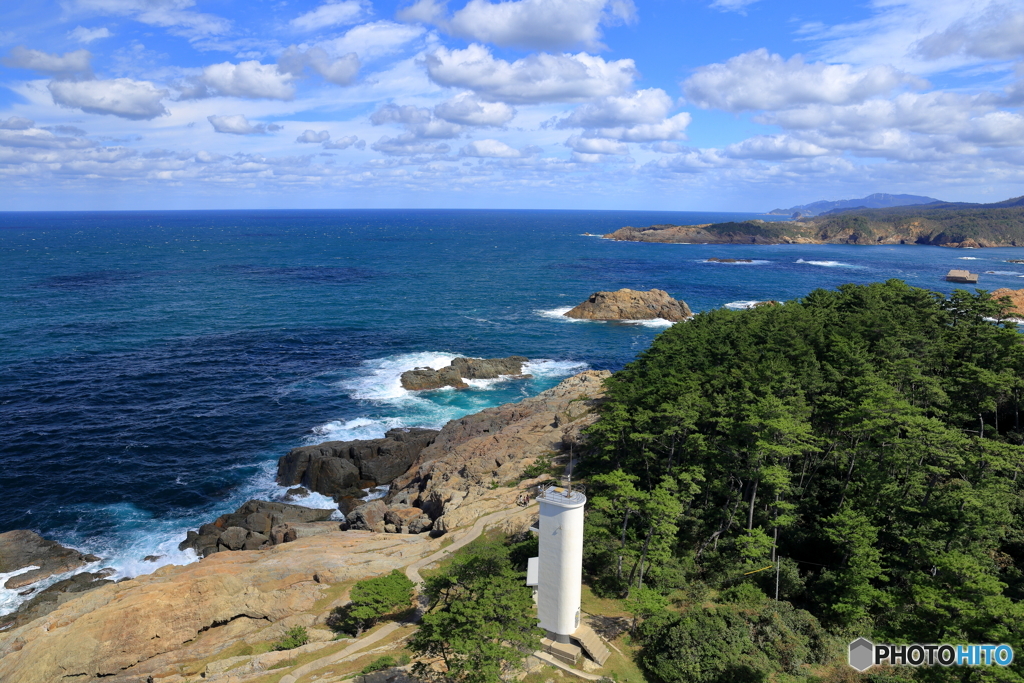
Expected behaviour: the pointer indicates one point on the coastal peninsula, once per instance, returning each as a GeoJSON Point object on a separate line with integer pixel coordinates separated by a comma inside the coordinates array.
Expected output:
{"type": "Point", "coordinates": [944, 224]}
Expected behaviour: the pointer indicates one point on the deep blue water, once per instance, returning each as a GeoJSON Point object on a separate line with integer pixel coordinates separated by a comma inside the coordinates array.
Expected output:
{"type": "Point", "coordinates": [155, 365]}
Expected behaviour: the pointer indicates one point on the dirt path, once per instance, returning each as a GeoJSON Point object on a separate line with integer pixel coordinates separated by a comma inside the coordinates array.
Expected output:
{"type": "Point", "coordinates": [412, 571]}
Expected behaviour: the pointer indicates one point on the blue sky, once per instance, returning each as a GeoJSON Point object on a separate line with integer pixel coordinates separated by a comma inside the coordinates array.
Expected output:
{"type": "Point", "coordinates": [731, 105]}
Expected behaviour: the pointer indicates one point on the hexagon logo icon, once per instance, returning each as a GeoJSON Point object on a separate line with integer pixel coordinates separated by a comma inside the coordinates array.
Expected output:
{"type": "Point", "coordinates": [862, 654]}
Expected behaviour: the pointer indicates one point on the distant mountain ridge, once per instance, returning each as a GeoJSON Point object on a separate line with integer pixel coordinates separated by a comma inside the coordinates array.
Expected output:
{"type": "Point", "coordinates": [879, 200]}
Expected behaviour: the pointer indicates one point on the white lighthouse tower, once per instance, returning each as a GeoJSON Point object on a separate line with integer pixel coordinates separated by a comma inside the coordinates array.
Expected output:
{"type": "Point", "coordinates": [560, 567]}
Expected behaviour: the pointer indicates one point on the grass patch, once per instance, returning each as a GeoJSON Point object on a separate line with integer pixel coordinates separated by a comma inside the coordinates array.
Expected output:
{"type": "Point", "coordinates": [544, 674]}
{"type": "Point", "coordinates": [605, 607]}
{"type": "Point", "coordinates": [621, 667]}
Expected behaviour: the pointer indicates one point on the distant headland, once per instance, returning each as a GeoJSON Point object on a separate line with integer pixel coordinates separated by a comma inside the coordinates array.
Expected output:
{"type": "Point", "coordinates": [947, 224]}
{"type": "Point", "coordinates": [879, 200]}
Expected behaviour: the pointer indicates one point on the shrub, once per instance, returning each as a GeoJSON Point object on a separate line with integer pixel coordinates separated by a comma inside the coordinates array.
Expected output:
{"type": "Point", "coordinates": [294, 637]}
{"type": "Point", "coordinates": [372, 599]}
{"type": "Point", "coordinates": [385, 662]}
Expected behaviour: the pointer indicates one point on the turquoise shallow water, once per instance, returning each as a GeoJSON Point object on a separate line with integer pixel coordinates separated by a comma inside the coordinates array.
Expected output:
{"type": "Point", "coordinates": [155, 365]}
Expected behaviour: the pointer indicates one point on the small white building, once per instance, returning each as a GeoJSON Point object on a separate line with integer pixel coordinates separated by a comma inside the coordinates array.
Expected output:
{"type": "Point", "coordinates": [557, 576]}
{"type": "Point", "coordinates": [560, 573]}
{"type": "Point", "coordinates": [532, 572]}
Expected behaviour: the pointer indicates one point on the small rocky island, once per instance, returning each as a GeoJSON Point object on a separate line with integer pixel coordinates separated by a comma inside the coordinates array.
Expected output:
{"type": "Point", "coordinates": [421, 379]}
{"type": "Point", "coordinates": [630, 304]}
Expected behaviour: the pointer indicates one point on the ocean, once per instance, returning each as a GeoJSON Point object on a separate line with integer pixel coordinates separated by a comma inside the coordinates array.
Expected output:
{"type": "Point", "coordinates": [155, 365]}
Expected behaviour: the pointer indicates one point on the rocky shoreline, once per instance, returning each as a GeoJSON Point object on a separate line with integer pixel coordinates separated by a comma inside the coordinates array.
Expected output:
{"type": "Point", "coordinates": [270, 565]}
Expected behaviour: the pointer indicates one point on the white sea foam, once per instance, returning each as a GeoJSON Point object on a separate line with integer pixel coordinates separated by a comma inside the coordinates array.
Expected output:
{"type": "Point", "coordinates": [752, 262]}
{"type": "Point", "coordinates": [1003, 272]}
{"type": "Point", "coordinates": [376, 492]}
{"type": "Point", "coordinates": [968, 258]}
{"type": "Point", "coordinates": [827, 264]}
{"type": "Point", "coordinates": [559, 314]}
{"type": "Point", "coordinates": [545, 367]}
{"type": "Point", "coordinates": [9, 598]}
{"type": "Point", "coordinates": [382, 379]}
{"type": "Point", "coordinates": [740, 305]}
{"type": "Point", "coordinates": [484, 384]}
{"type": "Point", "coordinates": [350, 430]}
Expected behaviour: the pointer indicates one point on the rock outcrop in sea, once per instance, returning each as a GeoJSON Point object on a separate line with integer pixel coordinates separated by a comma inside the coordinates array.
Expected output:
{"type": "Point", "coordinates": [204, 619]}
{"type": "Point", "coordinates": [22, 548]}
{"type": "Point", "coordinates": [630, 304]}
{"type": "Point", "coordinates": [421, 379]}
{"type": "Point", "coordinates": [340, 469]}
{"type": "Point", "coordinates": [258, 524]}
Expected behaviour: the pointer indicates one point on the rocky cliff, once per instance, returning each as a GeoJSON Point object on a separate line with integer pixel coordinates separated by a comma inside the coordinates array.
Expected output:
{"type": "Point", "coordinates": [629, 304]}
{"type": "Point", "coordinates": [212, 618]}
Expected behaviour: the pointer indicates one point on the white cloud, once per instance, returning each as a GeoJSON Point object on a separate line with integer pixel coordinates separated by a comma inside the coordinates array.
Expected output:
{"type": "Point", "coordinates": [467, 109]}
{"type": "Point", "coordinates": [250, 80]}
{"type": "Point", "coordinates": [171, 14]}
{"type": "Point", "coordinates": [205, 157]}
{"type": "Point", "coordinates": [239, 125]}
{"type": "Point", "coordinates": [774, 147]}
{"type": "Point", "coordinates": [17, 123]}
{"type": "Point", "coordinates": [732, 5]}
{"type": "Point", "coordinates": [996, 34]}
{"type": "Point", "coordinates": [936, 113]}
{"type": "Point", "coordinates": [417, 120]}
{"type": "Point", "coordinates": [331, 14]}
{"type": "Point", "coordinates": [314, 137]}
{"type": "Point", "coordinates": [538, 24]}
{"type": "Point", "coordinates": [87, 35]}
{"type": "Point", "coordinates": [670, 129]}
{"type": "Point", "coordinates": [530, 80]}
{"type": "Point", "coordinates": [408, 144]}
{"type": "Point", "coordinates": [68, 65]}
{"type": "Point", "coordinates": [692, 160]}
{"type": "Point", "coordinates": [490, 149]}
{"type": "Point", "coordinates": [641, 116]}
{"type": "Point", "coordinates": [122, 97]}
{"type": "Point", "coordinates": [996, 129]}
{"type": "Point", "coordinates": [40, 139]}
{"type": "Point", "coordinates": [643, 106]}
{"type": "Point", "coordinates": [340, 71]}
{"type": "Point", "coordinates": [373, 40]}
{"type": "Point", "coordinates": [345, 143]}
{"type": "Point", "coordinates": [759, 80]}
{"type": "Point", "coordinates": [423, 11]}
{"type": "Point", "coordinates": [596, 146]}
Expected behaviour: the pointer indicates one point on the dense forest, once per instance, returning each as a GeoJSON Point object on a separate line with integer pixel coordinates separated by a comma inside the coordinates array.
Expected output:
{"type": "Point", "coordinates": [866, 441]}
